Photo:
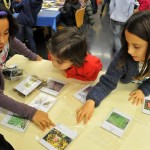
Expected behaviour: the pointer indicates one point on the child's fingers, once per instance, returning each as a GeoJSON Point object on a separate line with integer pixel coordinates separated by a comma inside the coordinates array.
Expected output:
{"type": "Point", "coordinates": [142, 100]}
{"type": "Point", "coordinates": [40, 126]}
{"type": "Point", "coordinates": [132, 97]}
{"type": "Point", "coordinates": [80, 116]}
{"type": "Point", "coordinates": [136, 101]}
{"type": "Point", "coordinates": [86, 118]}
{"type": "Point", "coordinates": [131, 94]}
{"type": "Point", "coordinates": [90, 115]}
{"type": "Point", "coordinates": [51, 123]}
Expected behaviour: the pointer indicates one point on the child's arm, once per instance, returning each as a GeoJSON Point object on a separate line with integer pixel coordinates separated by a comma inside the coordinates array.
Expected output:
{"type": "Point", "coordinates": [107, 83]}
{"type": "Point", "coordinates": [38, 117]}
{"type": "Point", "coordinates": [21, 48]}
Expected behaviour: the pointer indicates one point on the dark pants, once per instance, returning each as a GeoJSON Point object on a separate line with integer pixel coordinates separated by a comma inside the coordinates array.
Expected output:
{"type": "Point", "coordinates": [104, 4]}
{"type": "Point", "coordinates": [4, 145]}
{"type": "Point", "coordinates": [26, 33]}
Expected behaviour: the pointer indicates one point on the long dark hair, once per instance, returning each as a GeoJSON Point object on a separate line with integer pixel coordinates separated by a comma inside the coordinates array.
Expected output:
{"type": "Point", "coordinates": [69, 44]}
{"type": "Point", "coordinates": [139, 25]}
{"type": "Point", "coordinates": [13, 26]}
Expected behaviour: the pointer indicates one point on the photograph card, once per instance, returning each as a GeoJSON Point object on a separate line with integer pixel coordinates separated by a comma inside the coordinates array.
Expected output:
{"type": "Point", "coordinates": [116, 122]}
{"type": "Point", "coordinates": [15, 122]}
{"type": "Point", "coordinates": [28, 85]}
{"type": "Point", "coordinates": [81, 94]}
{"type": "Point", "coordinates": [58, 138]}
{"type": "Point", "coordinates": [146, 105]}
{"type": "Point", "coordinates": [43, 102]}
{"type": "Point", "coordinates": [53, 87]}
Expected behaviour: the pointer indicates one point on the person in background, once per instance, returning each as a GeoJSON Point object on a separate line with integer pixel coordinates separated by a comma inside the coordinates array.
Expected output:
{"type": "Point", "coordinates": [89, 18]}
{"type": "Point", "coordinates": [68, 52]}
{"type": "Point", "coordinates": [125, 66]}
{"type": "Point", "coordinates": [120, 11]}
{"type": "Point", "coordinates": [67, 12]}
{"type": "Point", "coordinates": [28, 11]}
{"type": "Point", "coordinates": [105, 2]}
{"type": "Point", "coordinates": [143, 5]}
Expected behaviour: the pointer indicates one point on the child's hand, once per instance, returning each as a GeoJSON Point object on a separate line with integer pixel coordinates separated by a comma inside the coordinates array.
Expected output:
{"type": "Point", "coordinates": [39, 58]}
{"type": "Point", "coordinates": [86, 111]}
{"type": "Point", "coordinates": [41, 120]}
{"type": "Point", "coordinates": [136, 97]}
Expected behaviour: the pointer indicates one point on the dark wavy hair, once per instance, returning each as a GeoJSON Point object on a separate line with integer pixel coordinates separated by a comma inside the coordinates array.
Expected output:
{"type": "Point", "coordinates": [139, 25]}
{"type": "Point", "coordinates": [69, 44]}
{"type": "Point", "coordinates": [13, 26]}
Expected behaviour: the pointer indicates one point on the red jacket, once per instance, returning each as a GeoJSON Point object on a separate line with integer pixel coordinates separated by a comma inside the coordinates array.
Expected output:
{"type": "Point", "coordinates": [144, 5]}
{"type": "Point", "coordinates": [89, 70]}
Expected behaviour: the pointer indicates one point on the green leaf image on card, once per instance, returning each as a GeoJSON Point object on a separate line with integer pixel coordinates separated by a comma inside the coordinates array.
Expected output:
{"type": "Point", "coordinates": [118, 120]}
{"type": "Point", "coordinates": [17, 121]}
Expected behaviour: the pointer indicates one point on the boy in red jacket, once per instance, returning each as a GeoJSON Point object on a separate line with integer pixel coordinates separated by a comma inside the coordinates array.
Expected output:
{"type": "Point", "coordinates": [68, 52]}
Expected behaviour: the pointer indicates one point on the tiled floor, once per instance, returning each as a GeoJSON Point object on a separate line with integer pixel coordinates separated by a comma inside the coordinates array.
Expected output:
{"type": "Point", "coordinates": [99, 39]}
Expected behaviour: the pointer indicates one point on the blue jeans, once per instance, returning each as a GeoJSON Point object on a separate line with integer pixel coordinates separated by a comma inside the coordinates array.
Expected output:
{"type": "Point", "coordinates": [26, 33]}
{"type": "Point", "coordinates": [117, 30]}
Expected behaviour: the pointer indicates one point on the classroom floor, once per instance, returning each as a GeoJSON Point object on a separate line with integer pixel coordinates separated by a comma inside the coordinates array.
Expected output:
{"type": "Point", "coordinates": [99, 39]}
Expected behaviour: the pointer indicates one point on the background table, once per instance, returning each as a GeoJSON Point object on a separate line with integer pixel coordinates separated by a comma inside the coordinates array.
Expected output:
{"type": "Point", "coordinates": [46, 18]}
{"type": "Point", "coordinates": [90, 136]}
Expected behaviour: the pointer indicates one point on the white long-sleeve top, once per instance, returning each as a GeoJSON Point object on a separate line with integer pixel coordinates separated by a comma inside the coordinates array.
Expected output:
{"type": "Point", "coordinates": [121, 10]}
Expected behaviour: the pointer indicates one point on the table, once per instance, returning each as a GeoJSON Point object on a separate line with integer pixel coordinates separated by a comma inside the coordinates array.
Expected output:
{"type": "Point", "coordinates": [46, 18]}
{"type": "Point", "coordinates": [90, 136]}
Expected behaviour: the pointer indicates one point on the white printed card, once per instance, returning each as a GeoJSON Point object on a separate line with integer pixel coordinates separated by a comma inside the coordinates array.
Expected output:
{"type": "Point", "coordinates": [53, 87]}
{"type": "Point", "coordinates": [116, 123]}
{"type": "Point", "coordinates": [81, 94]}
{"type": "Point", "coordinates": [58, 138]}
{"type": "Point", "coordinates": [15, 122]}
{"type": "Point", "coordinates": [146, 105]}
{"type": "Point", "coordinates": [43, 102]}
{"type": "Point", "coordinates": [28, 85]}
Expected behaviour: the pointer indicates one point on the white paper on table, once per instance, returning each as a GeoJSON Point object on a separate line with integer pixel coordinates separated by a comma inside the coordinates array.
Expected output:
{"type": "Point", "coordinates": [15, 122]}
{"type": "Point", "coordinates": [58, 138]}
{"type": "Point", "coordinates": [146, 105]}
{"type": "Point", "coordinates": [53, 86]}
{"type": "Point", "coordinates": [81, 94]}
{"type": "Point", "coordinates": [116, 122]}
{"type": "Point", "coordinates": [28, 85]}
{"type": "Point", "coordinates": [43, 102]}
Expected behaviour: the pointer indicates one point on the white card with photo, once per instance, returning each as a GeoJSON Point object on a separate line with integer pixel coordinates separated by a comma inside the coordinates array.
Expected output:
{"type": "Point", "coordinates": [81, 94]}
{"type": "Point", "coordinates": [43, 102]}
{"type": "Point", "coordinates": [15, 122]}
{"type": "Point", "coordinates": [28, 85]}
{"type": "Point", "coordinates": [116, 123]}
{"type": "Point", "coordinates": [146, 105]}
{"type": "Point", "coordinates": [58, 138]}
{"type": "Point", "coordinates": [53, 86]}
